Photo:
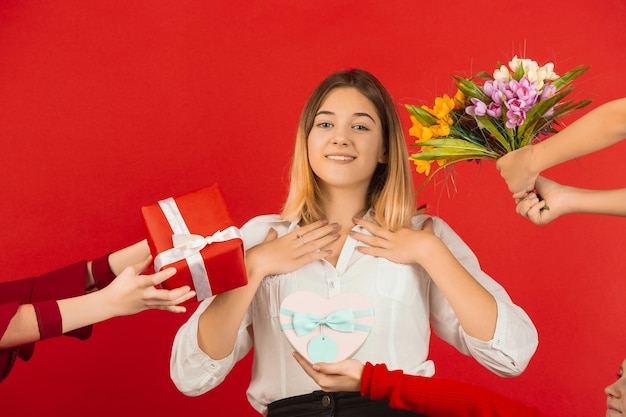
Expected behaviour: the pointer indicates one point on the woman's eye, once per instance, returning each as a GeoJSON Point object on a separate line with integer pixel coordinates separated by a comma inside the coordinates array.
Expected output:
{"type": "Point", "coordinates": [324, 125]}
{"type": "Point", "coordinates": [360, 127]}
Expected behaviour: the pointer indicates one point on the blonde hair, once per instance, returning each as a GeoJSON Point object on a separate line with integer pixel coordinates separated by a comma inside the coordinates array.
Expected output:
{"type": "Point", "coordinates": [390, 192]}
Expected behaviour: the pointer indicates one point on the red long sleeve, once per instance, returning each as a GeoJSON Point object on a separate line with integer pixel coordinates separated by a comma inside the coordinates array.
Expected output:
{"type": "Point", "coordinates": [438, 397]}
{"type": "Point", "coordinates": [62, 283]}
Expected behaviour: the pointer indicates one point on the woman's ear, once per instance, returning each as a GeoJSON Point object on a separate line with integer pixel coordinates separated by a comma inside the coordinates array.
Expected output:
{"type": "Point", "coordinates": [384, 158]}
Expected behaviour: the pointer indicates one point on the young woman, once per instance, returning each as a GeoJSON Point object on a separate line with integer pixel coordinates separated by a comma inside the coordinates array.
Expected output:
{"type": "Point", "coordinates": [350, 225]}
{"type": "Point", "coordinates": [55, 303]}
{"type": "Point", "coordinates": [598, 129]}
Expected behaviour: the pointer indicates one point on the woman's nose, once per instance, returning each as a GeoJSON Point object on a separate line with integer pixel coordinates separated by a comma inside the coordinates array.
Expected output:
{"type": "Point", "coordinates": [341, 137]}
{"type": "Point", "coordinates": [611, 391]}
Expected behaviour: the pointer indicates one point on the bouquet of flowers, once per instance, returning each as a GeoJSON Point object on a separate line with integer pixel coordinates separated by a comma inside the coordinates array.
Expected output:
{"type": "Point", "coordinates": [492, 114]}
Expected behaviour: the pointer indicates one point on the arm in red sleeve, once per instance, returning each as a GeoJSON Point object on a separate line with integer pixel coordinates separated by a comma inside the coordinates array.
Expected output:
{"type": "Point", "coordinates": [438, 397]}
{"type": "Point", "coordinates": [12, 295]}
{"type": "Point", "coordinates": [66, 282]}
{"type": "Point", "coordinates": [42, 292]}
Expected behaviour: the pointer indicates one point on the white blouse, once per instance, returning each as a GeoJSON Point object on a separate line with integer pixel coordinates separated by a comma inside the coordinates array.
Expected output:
{"type": "Point", "coordinates": [406, 303]}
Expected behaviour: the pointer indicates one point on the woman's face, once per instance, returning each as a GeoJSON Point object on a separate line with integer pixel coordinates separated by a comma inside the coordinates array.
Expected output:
{"type": "Point", "coordinates": [346, 144]}
{"type": "Point", "coordinates": [616, 394]}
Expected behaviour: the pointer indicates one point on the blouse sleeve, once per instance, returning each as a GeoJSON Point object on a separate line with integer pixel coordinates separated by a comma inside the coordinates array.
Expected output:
{"type": "Point", "coordinates": [193, 371]}
{"type": "Point", "coordinates": [515, 339]}
{"type": "Point", "coordinates": [438, 397]}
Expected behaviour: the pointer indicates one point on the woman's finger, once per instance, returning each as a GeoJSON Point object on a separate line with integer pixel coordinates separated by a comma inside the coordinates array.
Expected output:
{"type": "Point", "coordinates": [373, 228]}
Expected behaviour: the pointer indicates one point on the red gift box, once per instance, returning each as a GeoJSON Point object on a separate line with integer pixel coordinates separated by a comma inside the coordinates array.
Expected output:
{"type": "Point", "coordinates": [194, 233]}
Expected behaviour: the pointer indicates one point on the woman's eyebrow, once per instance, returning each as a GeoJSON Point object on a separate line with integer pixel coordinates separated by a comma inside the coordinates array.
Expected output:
{"type": "Point", "coordinates": [358, 114]}
{"type": "Point", "coordinates": [365, 115]}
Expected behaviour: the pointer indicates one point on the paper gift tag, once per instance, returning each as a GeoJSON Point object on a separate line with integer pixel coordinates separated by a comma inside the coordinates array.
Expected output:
{"type": "Point", "coordinates": [326, 329]}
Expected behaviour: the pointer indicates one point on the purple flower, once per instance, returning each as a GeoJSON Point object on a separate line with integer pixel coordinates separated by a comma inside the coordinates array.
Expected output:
{"type": "Point", "coordinates": [508, 91]}
{"type": "Point", "coordinates": [478, 109]}
{"type": "Point", "coordinates": [548, 91]}
{"type": "Point", "coordinates": [516, 105]}
{"type": "Point", "coordinates": [494, 110]}
{"type": "Point", "coordinates": [515, 118]}
{"type": "Point", "coordinates": [525, 91]}
{"type": "Point", "coordinates": [490, 87]}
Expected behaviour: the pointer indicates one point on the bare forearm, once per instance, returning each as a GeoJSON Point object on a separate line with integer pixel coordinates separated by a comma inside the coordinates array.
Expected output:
{"type": "Point", "coordinates": [128, 256]}
{"type": "Point", "coordinates": [219, 324]}
{"type": "Point", "coordinates": [598, 129]}
{"type": "Point", "coordinates": [607, 202]}
{"type": "Point", "coordinates": [473, 304]}
{"type": "Point", "coordinates": [22, 328]}
{"type": "Point", "coordinates": [75, 313]}
{"type": "Point", "coordinates": [85, 310]}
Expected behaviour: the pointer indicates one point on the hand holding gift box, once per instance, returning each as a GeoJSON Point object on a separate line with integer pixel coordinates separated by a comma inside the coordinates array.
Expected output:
{"type": "Point", "coordinates": [194, 233]}
{"type": "Point", "coordinates": [326, 329]}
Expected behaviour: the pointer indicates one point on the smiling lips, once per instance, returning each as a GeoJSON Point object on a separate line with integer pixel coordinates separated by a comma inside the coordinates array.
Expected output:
{"type": "Point", "coordinates": [341, 157]}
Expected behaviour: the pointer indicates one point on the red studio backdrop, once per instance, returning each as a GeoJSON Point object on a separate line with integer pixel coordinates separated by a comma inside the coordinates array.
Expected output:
{"type": "Point", "coordinates": [109, 106]}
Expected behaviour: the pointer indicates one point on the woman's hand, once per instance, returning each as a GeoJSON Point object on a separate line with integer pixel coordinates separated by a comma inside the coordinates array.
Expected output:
{"type": "Point", "coordinates": [549, 207]}
{"type": "Point", "coordinates": [332, 377]}
{"type": "Point", "coordinates": [130, 292]}
{"type": "Point", "coordinates": [516, 168]}
{"type": "Point", "coordinates": [281, 255]}
{"type": "Point", "coordinates": [403, 246]}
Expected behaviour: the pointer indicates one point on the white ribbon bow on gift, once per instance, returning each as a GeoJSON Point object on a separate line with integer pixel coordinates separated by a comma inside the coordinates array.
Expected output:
{"type": "Point", "coordinates": [188, 246]}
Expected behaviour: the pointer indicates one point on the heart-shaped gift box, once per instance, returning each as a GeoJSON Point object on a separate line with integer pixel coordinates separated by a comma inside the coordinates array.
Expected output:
{"type": "Point", "coordinates": [326, 329]}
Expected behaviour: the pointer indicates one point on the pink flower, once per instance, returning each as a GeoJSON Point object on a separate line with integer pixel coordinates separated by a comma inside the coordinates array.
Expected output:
{"type": "Point", "coordinates": [494, 110]}
{"type": "Point", "coordinates": [516, 113]}
{"type": "Point", "coordinates": [478, 109]}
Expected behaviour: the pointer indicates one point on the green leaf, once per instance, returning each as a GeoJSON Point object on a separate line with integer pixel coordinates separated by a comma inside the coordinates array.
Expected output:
{"type": "Point", "coordinates": [470, 89]}
{"type": "Point", "coordinates": [421, 115]}
{"type": "Point", "coordinates": [569, 76]}
{"type": "Point", "coordinates": [483, 75]}
{"type": "Point", "coordinates": [453, 144]}
{"type": "Point", "coordinates": [453, 149]}
{"type": "Point", "coordinates": [493, 129]}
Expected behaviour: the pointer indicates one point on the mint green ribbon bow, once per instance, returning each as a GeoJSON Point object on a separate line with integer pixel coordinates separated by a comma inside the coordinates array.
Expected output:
{"type": "Point", "coordinates": [341, 320]}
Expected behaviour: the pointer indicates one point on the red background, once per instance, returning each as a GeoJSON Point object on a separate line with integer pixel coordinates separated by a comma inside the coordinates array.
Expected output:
{"type": "Point", "coordinates": [108, 106]}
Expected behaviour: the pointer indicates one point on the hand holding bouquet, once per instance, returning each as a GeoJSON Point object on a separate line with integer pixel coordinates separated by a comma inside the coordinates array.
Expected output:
{"type": "Point", "coordinates": [492, 114]}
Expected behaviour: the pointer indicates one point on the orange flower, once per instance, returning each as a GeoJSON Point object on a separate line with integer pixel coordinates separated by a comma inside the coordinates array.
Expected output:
{"type": "Point", "coordinates": [422, 167]}
{"type": "Point", "coordinates": [459, 100]}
